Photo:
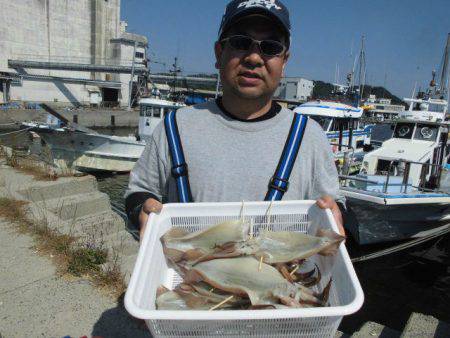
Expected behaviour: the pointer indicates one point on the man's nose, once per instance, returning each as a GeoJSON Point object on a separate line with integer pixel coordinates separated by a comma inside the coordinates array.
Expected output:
{"type": "Point", "coordinates": [254, 55]}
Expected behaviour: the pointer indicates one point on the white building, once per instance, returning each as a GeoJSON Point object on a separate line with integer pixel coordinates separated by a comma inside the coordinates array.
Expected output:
{"type": "Point", "coordinates": [66, 51]}
{"type": "Point", "coordinates": [295, 89]}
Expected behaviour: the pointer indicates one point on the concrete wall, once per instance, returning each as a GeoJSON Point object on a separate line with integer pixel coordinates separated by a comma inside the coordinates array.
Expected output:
{"type": "Point", "coordinates": [69, 31]}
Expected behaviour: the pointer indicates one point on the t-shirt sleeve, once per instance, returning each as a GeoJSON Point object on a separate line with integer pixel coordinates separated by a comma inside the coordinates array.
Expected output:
{"type": "Point", "coordinates": [325, 178]}
{"type": "Point", "coordinates": [149, 177]}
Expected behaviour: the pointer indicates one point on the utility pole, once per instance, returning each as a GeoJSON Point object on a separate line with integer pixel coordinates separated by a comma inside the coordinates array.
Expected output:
{"type": "Point", "coordinates": [130, 96]}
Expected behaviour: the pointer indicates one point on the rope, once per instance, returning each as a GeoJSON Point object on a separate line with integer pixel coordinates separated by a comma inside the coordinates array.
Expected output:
{"type": "Point", "coordinates": [16, 132]}
{"type": "Point", "coordinates": [403, 246]}
{"type": "Point", "coordinates": [8, 124]}
{"type": "Point", "coordinates": [118, 210]}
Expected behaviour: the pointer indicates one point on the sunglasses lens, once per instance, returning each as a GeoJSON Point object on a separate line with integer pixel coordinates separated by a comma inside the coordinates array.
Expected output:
{"type": "Point", "coordinates": [240, 42]}
{"type": "Point", "coordinates": [268, 47]}
{"type": "Point", "coordinates": [271, 48]}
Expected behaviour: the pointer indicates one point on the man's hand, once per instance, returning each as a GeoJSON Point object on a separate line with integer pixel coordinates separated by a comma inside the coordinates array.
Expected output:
{"type": "Point", "coordinates": [328, 202]}
{"type": "Point", "coordinates": [150, 206]}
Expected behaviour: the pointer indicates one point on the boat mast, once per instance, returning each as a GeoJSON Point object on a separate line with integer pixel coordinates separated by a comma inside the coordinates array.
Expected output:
{"type": "Point", "coordinates": [443, 82]}
{"type": "Point", "coordinates": [359, 67]}
{"type": "Point", "coordinates": [362, 69]}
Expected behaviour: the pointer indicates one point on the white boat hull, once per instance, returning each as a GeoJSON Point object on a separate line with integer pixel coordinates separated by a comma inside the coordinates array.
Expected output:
{"type": "Point", "coordinates": [93, 152]}
{"type": "Point", "coordinates": [370, 222]}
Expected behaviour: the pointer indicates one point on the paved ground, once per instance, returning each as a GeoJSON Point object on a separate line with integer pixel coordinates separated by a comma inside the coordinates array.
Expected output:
{"type": "Point", "coordinates": [35, 302]}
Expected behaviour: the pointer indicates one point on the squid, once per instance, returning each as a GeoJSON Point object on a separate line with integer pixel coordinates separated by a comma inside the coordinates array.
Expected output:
{"type": "Point", "coordinates": [179, 245]}
{"type": "Point", "coordinates": [279, 247]}
{"type": "Point", "coordinates": [261, 283]}
{"type": "Point", "coordinates": [195, 297]}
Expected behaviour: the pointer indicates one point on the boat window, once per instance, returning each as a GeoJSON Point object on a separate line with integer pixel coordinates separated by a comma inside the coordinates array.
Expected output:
{"type": "Point", "coordinates": [322, 120]}
{"type": "Point", "coordinates": [404, 130]}
{"type": "Point", "coordinates": [426, 132]}
{"type": "Point", "coordinates": [337, 122]}
{"type": "Point", "coordinates": [142, 110]}
{"type": "Point", "coordinates": [157, 112]}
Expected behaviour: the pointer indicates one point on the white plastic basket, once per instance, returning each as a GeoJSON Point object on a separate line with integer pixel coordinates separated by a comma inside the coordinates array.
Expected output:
{"type": "Point", "coordinates": [151, 271]}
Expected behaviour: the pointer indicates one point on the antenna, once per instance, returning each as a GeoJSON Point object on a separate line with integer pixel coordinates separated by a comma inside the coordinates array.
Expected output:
{"type": "Point", "coordinates": [412, 96]}
{"type": "Point", "coordinates": [385, 79]}
{"type": "Point", "coordinates": [175, 71]}
{"type": "Point", "coordinates": [338, 74]}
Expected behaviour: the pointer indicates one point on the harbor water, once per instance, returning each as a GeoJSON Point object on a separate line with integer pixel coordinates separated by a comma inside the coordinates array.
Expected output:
{"type": "Point", "coordinates": [414, 280]}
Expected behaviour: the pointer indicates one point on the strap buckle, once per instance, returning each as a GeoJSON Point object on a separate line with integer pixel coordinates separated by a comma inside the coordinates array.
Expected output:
{"type": "Point", "coordinates": [179, 170]}
{"type": "Point", "coordinates": [275, 184]}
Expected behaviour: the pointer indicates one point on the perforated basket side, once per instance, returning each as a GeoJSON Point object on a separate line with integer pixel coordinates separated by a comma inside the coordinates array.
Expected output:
{"type": "Point", "coordinates": [317, 327]}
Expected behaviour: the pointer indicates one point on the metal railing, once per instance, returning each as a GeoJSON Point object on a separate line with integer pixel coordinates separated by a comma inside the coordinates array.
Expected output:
{"type": "Point", "coordinates": [406, 173]}
{"type": "Point", "coordinates": [405, 177]}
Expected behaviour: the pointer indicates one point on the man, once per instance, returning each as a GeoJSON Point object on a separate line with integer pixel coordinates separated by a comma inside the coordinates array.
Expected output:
{"type": "Point", "coordinates": [232, 146]}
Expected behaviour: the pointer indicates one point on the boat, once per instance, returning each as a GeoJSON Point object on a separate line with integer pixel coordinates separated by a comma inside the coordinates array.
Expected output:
{"type": "Point", "coordinates": [381, 109]}
{"type": "Point", "coordinates": [346, 133]}
{"type": "Point", "coordinates": [84, 149]}
{"type": "Point", "coordinates": [334, 117]}
{"type": "Point", "coordinates": [403, 188]}
{"type": "Point", "coordinates": [151, 111]}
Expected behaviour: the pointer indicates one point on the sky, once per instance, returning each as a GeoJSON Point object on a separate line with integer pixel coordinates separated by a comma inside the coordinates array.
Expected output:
{"type": "Point", "coordinates": [404, 39]}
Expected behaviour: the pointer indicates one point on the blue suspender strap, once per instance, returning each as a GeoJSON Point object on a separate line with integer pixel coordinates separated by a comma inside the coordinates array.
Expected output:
{"type": "Point", "coordinates": [279, 183]}
{"type": "Point", "coordinates": [179, 166]}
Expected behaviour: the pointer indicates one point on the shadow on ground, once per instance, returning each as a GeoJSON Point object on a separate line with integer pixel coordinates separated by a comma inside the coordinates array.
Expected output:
{"type": "Point", "coordinates": [116, 322]}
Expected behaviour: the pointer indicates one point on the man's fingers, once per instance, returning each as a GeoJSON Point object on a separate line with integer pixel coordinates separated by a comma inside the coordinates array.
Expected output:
{"type": "Point", "coordinates": [151, 205]}
{"type": "Point", "coordinates": [326, 202]}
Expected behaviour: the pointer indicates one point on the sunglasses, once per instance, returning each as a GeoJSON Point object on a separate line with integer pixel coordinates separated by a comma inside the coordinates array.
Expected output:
{"type": "Point", "coordinates": [268, 48]}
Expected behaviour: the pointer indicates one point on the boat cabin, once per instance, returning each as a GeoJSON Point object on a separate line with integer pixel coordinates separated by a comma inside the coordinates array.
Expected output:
{"type": "Point", "coordinates": [340, 122]}
{"type": "Point", "coordinates": [152, 111]}
{"type": "Point", "coordinates": [417, 153]}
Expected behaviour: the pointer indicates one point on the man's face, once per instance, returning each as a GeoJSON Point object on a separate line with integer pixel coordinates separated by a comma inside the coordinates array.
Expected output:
{"type": "Point", "coordinates": [250, 74]}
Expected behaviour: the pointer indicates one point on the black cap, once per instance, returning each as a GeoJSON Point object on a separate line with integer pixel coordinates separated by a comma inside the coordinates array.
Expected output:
{"type": "Point", "coordinates": [274, 9]}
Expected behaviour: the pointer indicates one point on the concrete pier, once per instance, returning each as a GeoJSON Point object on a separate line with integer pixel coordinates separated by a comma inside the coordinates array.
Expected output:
{"type": "Point", "coordinates": [418, 326]}
{"type": "Point", "coordinates": [34, 299]}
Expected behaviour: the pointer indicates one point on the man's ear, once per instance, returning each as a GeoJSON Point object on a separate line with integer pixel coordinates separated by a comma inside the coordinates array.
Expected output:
{"type": "Point", "coordinates": [286, 58]}
{"type": "Point", "coordinates": [218, 52]}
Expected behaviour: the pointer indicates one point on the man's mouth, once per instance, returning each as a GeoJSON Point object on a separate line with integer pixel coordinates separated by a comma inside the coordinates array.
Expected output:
{"type": "Point", "coordinates": [249, 78]}
{"type": "Point", "coordinates": [250, 75]}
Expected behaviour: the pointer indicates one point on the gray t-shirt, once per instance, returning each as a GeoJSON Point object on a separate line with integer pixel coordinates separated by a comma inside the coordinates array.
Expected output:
{"type": "Point", "coordinates": [230, 160]}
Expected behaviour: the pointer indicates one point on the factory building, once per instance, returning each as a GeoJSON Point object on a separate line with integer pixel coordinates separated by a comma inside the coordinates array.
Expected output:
{"type": "Point", "coordinates": [295, 89]}
{"type": "Point", "coordinates": [68, 52]}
